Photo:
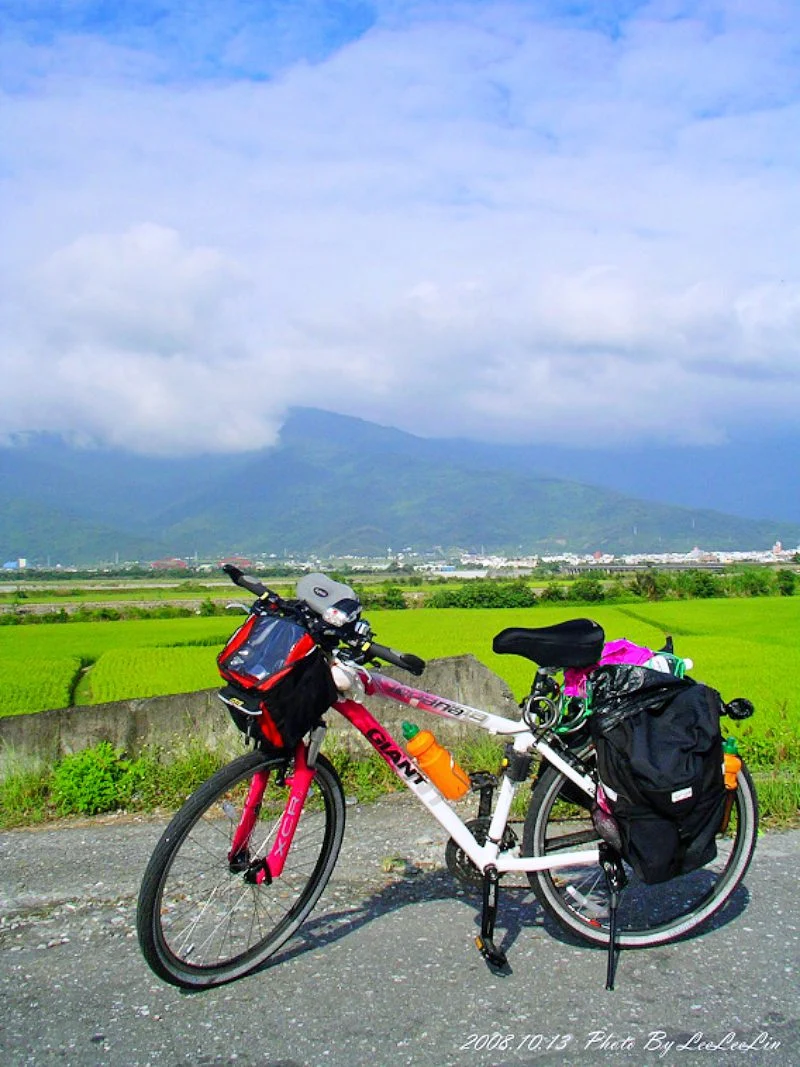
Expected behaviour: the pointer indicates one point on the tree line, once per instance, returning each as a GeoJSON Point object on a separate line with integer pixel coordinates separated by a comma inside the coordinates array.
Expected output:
{"type": "Point", "coordinates": [651, 584]}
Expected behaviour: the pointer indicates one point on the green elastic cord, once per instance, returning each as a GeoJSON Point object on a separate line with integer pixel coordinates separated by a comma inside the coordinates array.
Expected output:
{"type": "Point", "coordinates": [565, 727]}
{"type": "Point", "coordinates": [678, 665]}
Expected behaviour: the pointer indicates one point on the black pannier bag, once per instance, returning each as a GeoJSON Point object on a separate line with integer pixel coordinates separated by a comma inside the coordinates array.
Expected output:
{"type": "Point", "coordinates": [280, 682]}
{"type": "Point", "coordinates": [659, 759]}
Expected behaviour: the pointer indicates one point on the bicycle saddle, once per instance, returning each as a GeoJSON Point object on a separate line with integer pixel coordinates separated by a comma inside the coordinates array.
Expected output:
{"type": "Point", "coordinates": [575, 643]}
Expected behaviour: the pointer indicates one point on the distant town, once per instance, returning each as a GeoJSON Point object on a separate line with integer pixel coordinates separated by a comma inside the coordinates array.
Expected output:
{"type": "Point", "coordinates": [442, 563]}
{"type": "Point", "coordinates": [485, 566]}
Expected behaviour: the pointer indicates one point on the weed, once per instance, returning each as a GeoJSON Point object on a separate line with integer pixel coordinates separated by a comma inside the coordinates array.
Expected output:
{"type": "Point", "coordinates": [88, 782]}
{"type": "Point", "coordinates": [778, 792]}
{"type": "Point", "coordinates": [157, 781]}
{"type": "Point", "coordinates": [24, 795]}
{"type": "Point", "coordinates": [363, 777]}
{"type": "Point", "coordinates": [480, 753]}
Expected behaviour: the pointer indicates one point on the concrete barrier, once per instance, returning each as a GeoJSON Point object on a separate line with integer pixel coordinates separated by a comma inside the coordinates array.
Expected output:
{"type": "Point", "coordinates": [170, 722]}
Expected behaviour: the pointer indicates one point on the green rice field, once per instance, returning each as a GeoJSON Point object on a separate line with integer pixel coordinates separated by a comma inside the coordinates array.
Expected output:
{"type": "Point", "coordinates": [103, 661]}
{"type": "Point", "coordinates": [748, 647]}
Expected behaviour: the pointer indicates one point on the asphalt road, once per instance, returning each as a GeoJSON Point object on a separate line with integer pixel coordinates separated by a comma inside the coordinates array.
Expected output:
{"type": "Point", "coordinates": [385, 972]}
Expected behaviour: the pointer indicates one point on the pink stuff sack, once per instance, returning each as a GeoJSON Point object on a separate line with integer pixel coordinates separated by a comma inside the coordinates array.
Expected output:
{"type": "Point", "coordinates": [621, 651]}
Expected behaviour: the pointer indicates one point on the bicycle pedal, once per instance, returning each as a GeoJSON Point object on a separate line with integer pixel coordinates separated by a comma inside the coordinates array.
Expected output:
{"type": "Point", "coordinates": [493, 955]}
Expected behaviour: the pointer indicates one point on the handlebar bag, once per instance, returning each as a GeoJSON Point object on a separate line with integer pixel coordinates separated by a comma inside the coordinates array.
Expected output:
{"type": "Point", "coordinates": [280, 682]}
{"type": "Point", "coordinates": [659, 760]}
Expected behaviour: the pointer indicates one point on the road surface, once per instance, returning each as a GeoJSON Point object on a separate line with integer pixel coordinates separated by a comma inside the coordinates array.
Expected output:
{"type": "Point", "coordinates": [385, 973]}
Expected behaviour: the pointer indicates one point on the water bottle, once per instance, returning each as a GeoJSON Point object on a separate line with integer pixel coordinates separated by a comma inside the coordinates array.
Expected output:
{"type": "Point", "coordinates": [435, 762]}
{"type": "Point", "coordinates": [732, 762]}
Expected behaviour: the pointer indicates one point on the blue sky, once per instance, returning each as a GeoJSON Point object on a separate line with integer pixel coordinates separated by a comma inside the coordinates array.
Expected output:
{"type": "Point", "coordinates": [520, 221]}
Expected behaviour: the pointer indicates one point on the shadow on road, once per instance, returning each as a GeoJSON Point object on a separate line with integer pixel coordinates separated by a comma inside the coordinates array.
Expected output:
{"type": "Point", "coordinates": [519, 912]}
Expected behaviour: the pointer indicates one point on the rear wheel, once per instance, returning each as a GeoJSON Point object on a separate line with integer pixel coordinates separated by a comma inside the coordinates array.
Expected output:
{"type": "Point", "coordinates": [577, 898]}
{"type": "Point", "coordinates": [199, 922]}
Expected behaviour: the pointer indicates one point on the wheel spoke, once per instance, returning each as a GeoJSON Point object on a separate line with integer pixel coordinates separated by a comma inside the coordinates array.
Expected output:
{"type": "Point", "coordinates": [199, 922]}
{"type": "Point", "coordinates": [577, 897]}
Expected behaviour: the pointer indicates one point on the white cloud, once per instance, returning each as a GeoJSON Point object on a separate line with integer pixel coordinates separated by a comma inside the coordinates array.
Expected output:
{"type": "Point", "coordinates": [469, 218]}
{"type": "Point", "coordinates": [137, 291]}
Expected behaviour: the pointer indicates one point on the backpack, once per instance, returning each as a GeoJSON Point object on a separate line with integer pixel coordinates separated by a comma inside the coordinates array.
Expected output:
{"type": "Point", "coordinates": [280, 682]}
{"type": "Point", "coordinates": [659, 760]}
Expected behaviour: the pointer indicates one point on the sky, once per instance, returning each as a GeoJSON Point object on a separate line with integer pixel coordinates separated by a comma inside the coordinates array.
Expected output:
{"type": "Point", "coordinates": [574, 222]}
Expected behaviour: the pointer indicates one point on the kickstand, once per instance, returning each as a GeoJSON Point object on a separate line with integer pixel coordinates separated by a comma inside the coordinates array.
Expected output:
{"type": "Point", "coordinates": [616, 881]}
{"type": "Point", "coordinates": [493, 955]}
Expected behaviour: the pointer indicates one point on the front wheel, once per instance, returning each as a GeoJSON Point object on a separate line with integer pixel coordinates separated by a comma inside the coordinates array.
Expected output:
{"type": "Point", "coordinates": [577, 898]}
{"type": "Point", "coordinates": [200, 923]}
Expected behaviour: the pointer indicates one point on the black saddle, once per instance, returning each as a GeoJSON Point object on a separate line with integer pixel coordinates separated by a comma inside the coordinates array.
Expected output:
{"type": "Point", "coordinates": [575, 643]}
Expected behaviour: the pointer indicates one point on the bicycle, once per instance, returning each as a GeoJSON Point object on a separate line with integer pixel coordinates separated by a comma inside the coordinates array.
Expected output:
{"type": "Point", "coordinates": [245, 860]}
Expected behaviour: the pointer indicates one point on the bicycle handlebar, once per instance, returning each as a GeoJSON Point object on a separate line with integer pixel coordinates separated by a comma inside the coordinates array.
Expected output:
{"type": "Point", "coordinates": [238, 577]}
{"type": "Point", "coordinates": [405, 660]}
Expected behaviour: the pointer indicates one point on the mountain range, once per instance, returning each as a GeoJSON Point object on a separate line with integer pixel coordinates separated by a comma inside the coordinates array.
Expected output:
{"type": "Point", "coordinates": [335, 485]}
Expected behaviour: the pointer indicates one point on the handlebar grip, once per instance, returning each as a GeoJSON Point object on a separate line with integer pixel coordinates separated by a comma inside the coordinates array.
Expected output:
{"type": "Point", "coordinates": [412, 664]}
{"type": "Point", "coordinates": [238, 577]}
{"type": "Point", "coordinates": [739, 709]}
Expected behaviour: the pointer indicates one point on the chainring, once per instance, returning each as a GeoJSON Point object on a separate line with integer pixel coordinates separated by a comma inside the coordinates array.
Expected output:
{"type": "Point", "coordinates": [458, 862]}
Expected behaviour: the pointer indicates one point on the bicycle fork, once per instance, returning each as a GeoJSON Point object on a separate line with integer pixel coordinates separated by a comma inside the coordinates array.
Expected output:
{"type": "Point", "coordinates": [270, 867]}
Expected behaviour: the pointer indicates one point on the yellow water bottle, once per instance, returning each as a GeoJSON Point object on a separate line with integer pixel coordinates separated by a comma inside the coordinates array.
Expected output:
{"type": "Point", "coordinates": [435, 762]}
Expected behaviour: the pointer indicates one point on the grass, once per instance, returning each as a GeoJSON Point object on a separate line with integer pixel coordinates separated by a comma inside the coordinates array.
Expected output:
{"type": "Point", "coordinates": [43, 667]}
{"type": "Point", "coordinates": [25, 788]}
{"type": "Point", "coordinates": [433, 632]}
{"type": "Point", "coordinates": [108, 593]}
{"type": "Point", "coordinates": [102, 779]}
{"type": "Point", "coordinates": [129, 673]}
{"type": "Point", "coordinates": [37, 683]}
{"type": "Point", "coordinates": [745, 647]}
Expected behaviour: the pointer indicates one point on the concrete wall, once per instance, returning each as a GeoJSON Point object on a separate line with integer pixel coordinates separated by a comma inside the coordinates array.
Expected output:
{"type": "Point", "coordinates": [169, 722]}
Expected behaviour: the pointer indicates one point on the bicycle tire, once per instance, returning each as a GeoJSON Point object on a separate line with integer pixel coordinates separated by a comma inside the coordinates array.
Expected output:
{"type": "Point", "coordinates": [648, 915]}
{"type": "Point", "coordinates": [199, 923]}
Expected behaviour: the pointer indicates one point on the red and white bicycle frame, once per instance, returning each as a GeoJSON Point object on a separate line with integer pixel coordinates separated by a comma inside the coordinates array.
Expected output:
{"type": "Point", "coordinates": [353, 683]}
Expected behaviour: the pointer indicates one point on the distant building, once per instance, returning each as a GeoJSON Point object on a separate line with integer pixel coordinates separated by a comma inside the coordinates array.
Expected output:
{"type": "Point", "coordinates": [237, 561]}
{"type": "Point", "coordinates": [169, 565]}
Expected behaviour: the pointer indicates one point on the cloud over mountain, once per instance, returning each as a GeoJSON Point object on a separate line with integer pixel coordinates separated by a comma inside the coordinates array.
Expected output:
{"type": "Point", "coordinates": [488, 219]}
